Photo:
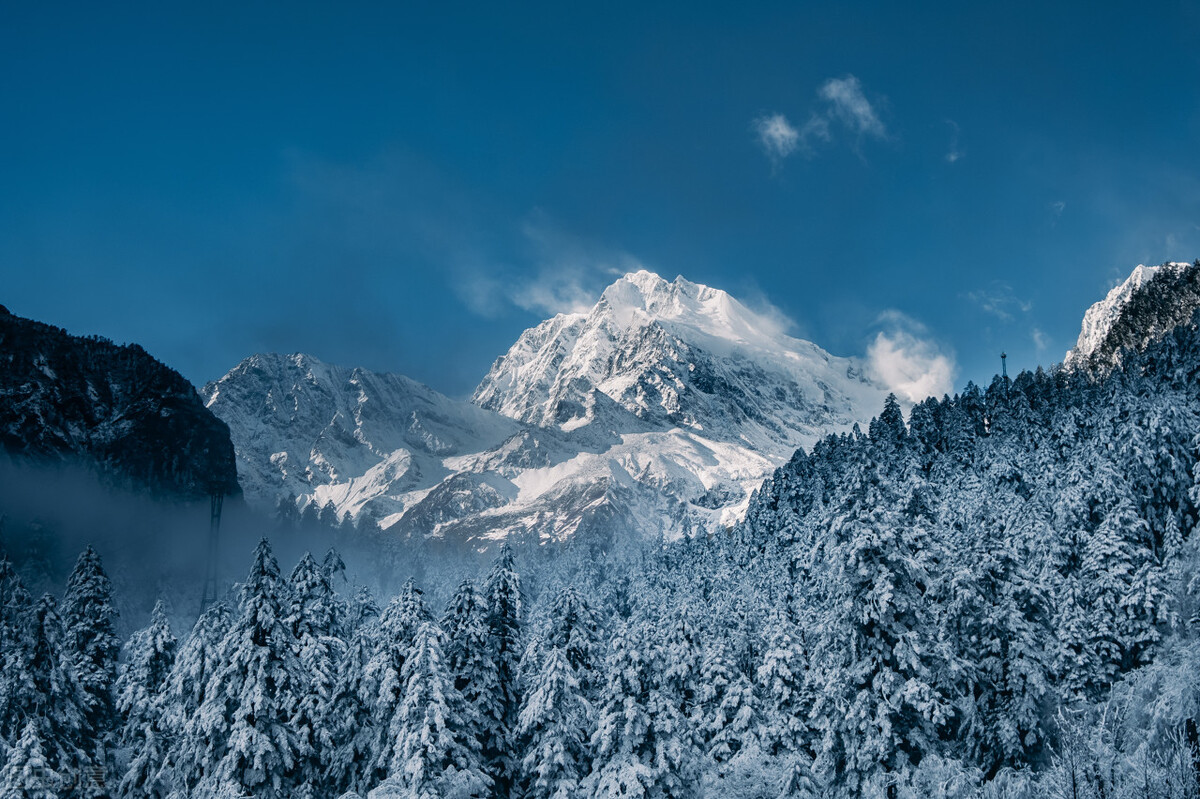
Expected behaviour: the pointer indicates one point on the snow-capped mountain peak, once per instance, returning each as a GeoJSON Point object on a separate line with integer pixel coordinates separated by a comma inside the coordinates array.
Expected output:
{"type": "Point", "coordinates": [679, 354]}
{"type": "Point", "coordinates": [1160, 296]}
{"type": "Point", "coordinates": [657, 411]}
{"type": "Point", "coordinates": [641, 298]}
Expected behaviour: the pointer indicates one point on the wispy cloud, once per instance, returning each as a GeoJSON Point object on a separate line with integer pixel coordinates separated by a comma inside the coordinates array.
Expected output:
{"type": "Point", "coordinates": [905, 358]}
{"type": "Point", "coordinates": [998, 300]}
{"type": "Point", "coordinates": [842, 108]}
{"type": "Point", "coordinates": [1040, 342]}
{"type": "Point", "coordinates": [954, 153]}
{"type": "Point", "coordinates": [562, 273]}
{"type": "Point", "coordinates": [848, 104]}
{"type": "Point", "coordinates": [777, 136]}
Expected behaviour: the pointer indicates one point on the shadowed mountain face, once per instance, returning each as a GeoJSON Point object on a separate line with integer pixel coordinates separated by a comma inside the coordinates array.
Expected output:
{"type": "Point", "coordinates": [658, 412]}
{"type": "Point", "coordinates": [111, 408]}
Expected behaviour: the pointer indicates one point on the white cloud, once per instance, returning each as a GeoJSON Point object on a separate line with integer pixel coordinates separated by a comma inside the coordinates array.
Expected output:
{"type": "Point", "coordinates": [843, 104]}
{"type": "Point", "coordinates": [849, 105]}
{"type": "Point", "coordinates": [1039, 340]}
{"type": "Point", "coordinates": [777, 136]}
{"type": "Point", "coordinates": [562, 273]}
{"type": "Point", "coordinates": [908, 362]}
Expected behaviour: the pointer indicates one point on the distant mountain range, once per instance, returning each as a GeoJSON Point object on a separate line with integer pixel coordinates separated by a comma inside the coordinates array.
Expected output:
{"type": "Point", "coordinates": [657, 412]}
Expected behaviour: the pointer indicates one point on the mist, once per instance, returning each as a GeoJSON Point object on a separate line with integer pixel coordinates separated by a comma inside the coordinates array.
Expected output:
{"type": "Point", "coordinates": [158, 548]}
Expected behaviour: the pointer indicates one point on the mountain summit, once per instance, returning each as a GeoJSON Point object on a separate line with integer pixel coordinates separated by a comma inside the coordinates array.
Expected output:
{"type": "Point", "coordinates": [678, 354]}
{"type": "Point", "coordinates": [1151, 302]}
{"type": "Point", "coordinates": [658, 411]}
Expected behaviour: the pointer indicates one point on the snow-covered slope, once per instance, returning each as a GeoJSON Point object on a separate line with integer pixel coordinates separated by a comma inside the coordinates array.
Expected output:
{"type": "Point", "coordinates": [678, 355]}
{"type": "Point", "coordinates": [361, 440]}
{"type": "Point", "coordinates": [657, 412]}
{"type": "Point", "coordinates": [1150, 302]}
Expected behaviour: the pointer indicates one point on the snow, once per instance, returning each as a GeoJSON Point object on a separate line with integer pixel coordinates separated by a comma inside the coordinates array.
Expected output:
{"type": "Point", "coordinates": [1099, 318]}
{"type": "Point", "coordinates": [664, 394]}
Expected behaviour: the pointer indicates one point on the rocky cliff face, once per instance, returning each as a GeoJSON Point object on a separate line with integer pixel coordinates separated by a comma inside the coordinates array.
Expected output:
{"type": "Point", "coordinates": [113, 408]}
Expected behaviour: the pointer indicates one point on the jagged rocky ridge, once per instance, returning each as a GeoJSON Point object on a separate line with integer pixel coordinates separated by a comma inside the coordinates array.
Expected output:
{"type": "Point", "coordinates": [1151, 302]}
{"type": "Point", "coordinates": [112, 408]}
{"type": "Point", "coordinates": [658, 412]}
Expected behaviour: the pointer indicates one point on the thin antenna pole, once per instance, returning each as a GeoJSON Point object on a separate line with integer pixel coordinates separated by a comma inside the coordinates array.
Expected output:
{"type": "Point", "coordinates": [1004, 364]}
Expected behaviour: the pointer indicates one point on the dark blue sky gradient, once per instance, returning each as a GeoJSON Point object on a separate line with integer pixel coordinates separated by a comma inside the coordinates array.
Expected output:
{"type": "Point", "coordinates": [386, 186]}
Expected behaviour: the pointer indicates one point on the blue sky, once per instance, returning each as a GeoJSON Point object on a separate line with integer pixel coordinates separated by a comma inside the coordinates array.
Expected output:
{"type": "Point", "coordinates": [408, 187]}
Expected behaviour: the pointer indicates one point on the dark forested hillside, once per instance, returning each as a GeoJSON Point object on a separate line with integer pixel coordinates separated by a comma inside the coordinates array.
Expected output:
{"type": "Point", "coordinates": [87, 400]}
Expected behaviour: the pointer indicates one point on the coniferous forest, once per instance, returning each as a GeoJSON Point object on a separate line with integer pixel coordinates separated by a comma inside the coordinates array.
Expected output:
{"type": "Point", "coordinates": [999, 597]}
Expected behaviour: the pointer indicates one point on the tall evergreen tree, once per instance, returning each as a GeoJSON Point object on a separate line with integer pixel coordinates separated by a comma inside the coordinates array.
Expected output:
{"type": "Point", "coordinates": [433, 756]}
{"type": "Point", "coordinates": [553, 730]}
{"type": "Point", "coordinates": [60, 703]}
{"type": "Point", "coordinates": [17, 692]}
{"type": "Point", "coordinates": [255, 688]}
{"type": "Point", "coordinates": [313, 618]}
{"type": "Point", "coordinates": [140, 693]}
{"type": "Point", "coordinates": [640, 744]}
{"type": "Point", "coordinates": [192, 706]}
{"type": "Point", "coordinates": [27, 773]}
{"type": "Point", "coordinates": [504, 641]}
{"type": "Point", "coordinates": [469, 660]}
{"type": "Point", "coordinates": [90, 620]}
{"type": "Point", "coordinates": [384, 676]}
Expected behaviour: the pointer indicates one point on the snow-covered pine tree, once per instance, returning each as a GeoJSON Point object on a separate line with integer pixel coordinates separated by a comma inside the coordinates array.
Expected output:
{"type": "Point", "coordinates": [192, 705]}
{"type": "Point", "coordinates": [553, 730]}
{"type": "Point", "coordinates": [469, 659]}
{"type": "Point", "coordinates": [640, 745]}
{"type": "Point", "coordinates": [16, 649]}
{"type": "Point", "coordinates": [90, 620]}
{"type": "Point", "coordinates": [434, 756]}
{"type": "Point", "coordinates": [574, 628]}
{"type": "Point", "coordinates": [256, 688]}
{"type": "Point", "coordinates": [504, 600]}
{"type": "Point", "coordinates": [313, 617]}
{"type": "Point", "coordinates": [783, 683]}
{"type": "Point", "coordinates": [59, 702]}
{"type": "Point", "coordinates": [384, 678]}
{"type": "Point", "coordinates": [877, 702]}
{"type": "Point", "coordinates": [27, 773]}
{"type": "Point", "coordinates": [349, 715]}
{"type": "Point", "coordinates": [140, 699]}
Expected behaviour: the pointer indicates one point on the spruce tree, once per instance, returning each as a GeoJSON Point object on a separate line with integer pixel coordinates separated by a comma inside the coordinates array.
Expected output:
{"type": "Point", "coordinates": [553, 731]}
{"type": "Point", "coordinates": [433, 755]}
{"type": "Point", "coordinates": [255, 688]}
{"type": "Point", "coordinates": [193, 709]}
{"type": "Point", "coordinates": [384, 676]}
{"type": "Point", "coordinates": [469, 659]}
{"type": "Point", "coordinates": [313, 618]}
{"type": "Point", "coordinates": [17, 692]}
{"type": "Point", "coordinates": [59, 702]}
{"type": "Point", "coordinates": [640, 744]}
{"type": "Point", "coordinates": [27, 773]}
{"type": "Point", "coordinates": [90, 621]}
{"type": "Point", "coordinates": [140, 701]}
{"type": "Point", "coordinates": [782, 680]}
{"type": "Point", "coordinates": [504, 642]}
